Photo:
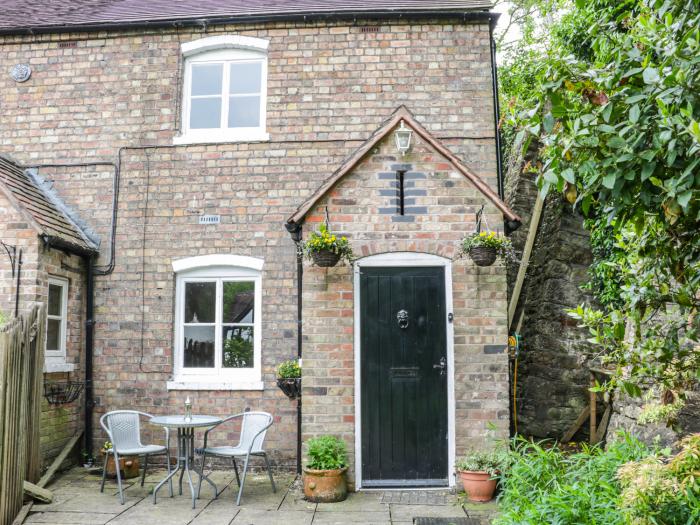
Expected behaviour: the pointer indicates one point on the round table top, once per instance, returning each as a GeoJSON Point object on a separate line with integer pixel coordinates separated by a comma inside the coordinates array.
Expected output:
{"type": "Point", "coordinates": [178, 421]}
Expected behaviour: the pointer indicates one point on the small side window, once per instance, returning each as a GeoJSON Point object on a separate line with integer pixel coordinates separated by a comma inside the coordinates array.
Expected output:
{"type": "Point", "coordinates": [56, 319]}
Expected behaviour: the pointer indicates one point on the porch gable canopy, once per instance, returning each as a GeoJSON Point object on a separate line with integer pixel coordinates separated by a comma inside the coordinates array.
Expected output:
{"type": "Point", "coordinates": [402, 113]}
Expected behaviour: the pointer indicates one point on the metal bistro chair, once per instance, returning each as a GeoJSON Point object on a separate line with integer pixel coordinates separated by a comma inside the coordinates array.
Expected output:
{"type": "Point", "coordinates": [254, 426]}
{"type": "Point", "coordinates": [124, 431]}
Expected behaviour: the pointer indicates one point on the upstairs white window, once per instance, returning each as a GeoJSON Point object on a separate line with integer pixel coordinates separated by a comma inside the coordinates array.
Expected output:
{"type": "Point", "coordinates": [225, 88]}
{"type": "Point", "coordinates": [217, 323]}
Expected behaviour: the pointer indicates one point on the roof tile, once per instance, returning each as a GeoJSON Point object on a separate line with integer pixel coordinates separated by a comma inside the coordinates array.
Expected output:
{"type": "Point", "coordinates": [51, 221]}
{"type": "Point", "coordinates": [61, 14]}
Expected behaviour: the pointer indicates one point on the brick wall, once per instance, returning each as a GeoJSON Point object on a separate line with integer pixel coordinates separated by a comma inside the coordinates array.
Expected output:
{"type": "Point", "coordinates": [329, 87]}
{"type": "Point", "coordinates": [58, 423]}
{"type": "Point", "coordinates": [442, 210]}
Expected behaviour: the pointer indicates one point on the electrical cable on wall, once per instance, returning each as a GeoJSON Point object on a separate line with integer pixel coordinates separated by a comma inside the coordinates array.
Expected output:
{"type": "Point", "coordinates": [143, 266]}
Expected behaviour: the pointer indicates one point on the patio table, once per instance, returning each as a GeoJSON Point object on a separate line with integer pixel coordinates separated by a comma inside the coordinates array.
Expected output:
{"type": "Point", "coordinates": [185, 447]}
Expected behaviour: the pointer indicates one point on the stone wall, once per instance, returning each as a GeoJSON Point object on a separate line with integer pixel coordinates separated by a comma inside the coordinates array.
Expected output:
{"type": "Point", "coordinates": [442, 209]}
{"type": "Point", "coordinates": [115, 96]}
{"type": "Point", "coordinates": [627, 411]}
{"type": "Point", "coordinates": [552, 375]}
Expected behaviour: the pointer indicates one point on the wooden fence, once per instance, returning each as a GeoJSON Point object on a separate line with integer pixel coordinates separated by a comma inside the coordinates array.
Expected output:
{"type": "Point", "coordinates": [21, 374]}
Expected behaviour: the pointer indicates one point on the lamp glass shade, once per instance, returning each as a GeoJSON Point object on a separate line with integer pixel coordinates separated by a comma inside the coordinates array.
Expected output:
{"type": "Point", "coordinates": [403, 139]}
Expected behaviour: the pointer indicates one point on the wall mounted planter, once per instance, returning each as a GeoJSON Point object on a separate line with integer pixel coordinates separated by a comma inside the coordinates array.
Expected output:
{"type": "Point", "coordinates": [290, 386]}
{"type": "Point", "coordinates": [483, 255]}
{"type": "Point", "coordinates": [325, 258]}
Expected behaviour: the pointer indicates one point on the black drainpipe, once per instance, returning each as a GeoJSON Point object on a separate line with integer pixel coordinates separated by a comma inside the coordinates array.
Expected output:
{"type": "Point", "coordinates": [496, 108]}
{"type": "Point", "coordinates": [89, 346]}
{"type": "Point", "coordinates": [295, 231]}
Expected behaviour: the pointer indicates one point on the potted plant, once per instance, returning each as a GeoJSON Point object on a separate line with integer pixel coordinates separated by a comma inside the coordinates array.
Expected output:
{"type": "Point", "coordinates": [289, 378]}
{"type": "Point", "coordinates": [479, 473]}
{"type": "Point", "coordinates": [88, 460]}
{"type": "Point", "coordinates": [325, 249]}
{"type": "Point", "coordinates": [324, 475]}
{"type": "Point", "coordinates": [128, 466]}
{"type": "Point", "coordinates": [485, 247]}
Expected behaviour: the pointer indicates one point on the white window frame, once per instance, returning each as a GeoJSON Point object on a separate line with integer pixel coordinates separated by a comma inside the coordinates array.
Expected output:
{"type": "Point", "coordinates": [220, 269]}
{"type": "Point", "coordinates": [223, 49]}
{"type": "Point", "coordinates": [55, 360]}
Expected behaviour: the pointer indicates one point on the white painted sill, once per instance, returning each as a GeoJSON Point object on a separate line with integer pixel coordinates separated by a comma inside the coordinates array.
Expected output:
{"type": "Point", "coordinates": [215, 137]}
{"type": "Point", "coordinates": [215, 385]}
{"type": "Point", "coordinates": [51, 367]}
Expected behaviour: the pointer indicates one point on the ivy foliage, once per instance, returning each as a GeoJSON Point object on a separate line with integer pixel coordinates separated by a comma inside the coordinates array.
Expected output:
{"type": "Point", "coordinates": [612, 97]}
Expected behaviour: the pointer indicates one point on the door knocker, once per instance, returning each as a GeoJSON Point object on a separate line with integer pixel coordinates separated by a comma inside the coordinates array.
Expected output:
{"type": "Point", "coordinates": [402, 318]}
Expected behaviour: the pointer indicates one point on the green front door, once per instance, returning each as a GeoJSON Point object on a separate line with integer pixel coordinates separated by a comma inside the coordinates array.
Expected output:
{"type": "Point", "coordinates": [403, 376]}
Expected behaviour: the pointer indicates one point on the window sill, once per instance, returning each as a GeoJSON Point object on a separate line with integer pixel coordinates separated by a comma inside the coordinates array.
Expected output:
{"type": "Point", "coordinates": [215, 137]}
{"type": "Point", "coordinates": [57, 366]}
{"type": "Point", "coordinates": [215, 385]}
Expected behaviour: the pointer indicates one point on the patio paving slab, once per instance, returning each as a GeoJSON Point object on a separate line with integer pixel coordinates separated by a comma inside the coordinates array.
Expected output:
{"type": "Point", "coordinates": [268, 517]}
{"type": "Point", "coordinates": [78, 501]}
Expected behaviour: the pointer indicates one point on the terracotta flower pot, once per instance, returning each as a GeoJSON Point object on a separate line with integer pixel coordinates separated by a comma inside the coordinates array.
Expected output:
{"type": "Point", "coordinates": [478, 485]}
{"type": "Point", "coordinates": [129, 467]}
{"type": "Point", "coordinates": [325, 258]}
{"type": "Point", "coordinates": [325, 486]}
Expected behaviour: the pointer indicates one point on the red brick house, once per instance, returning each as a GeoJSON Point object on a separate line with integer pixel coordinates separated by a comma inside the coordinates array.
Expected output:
{"type": "Point", "coordinates": [182, 143]}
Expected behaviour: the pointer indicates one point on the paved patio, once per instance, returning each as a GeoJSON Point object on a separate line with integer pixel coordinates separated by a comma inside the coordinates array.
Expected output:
{"type": "Point", "coordinates": [77, 500]}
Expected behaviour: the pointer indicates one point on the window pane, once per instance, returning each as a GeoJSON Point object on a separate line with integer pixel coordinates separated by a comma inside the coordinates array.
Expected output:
{"type": "Point", "coordinates": [205, 113]}
{"type": "Point", "coordinates": [199, 346]}
{"type": "Point", "coordinates": [200, 302]}
{"type": "Point", "coordinates": [244, 112]}
{"type": "Point", "coordinates": [239, 302]}
{"type": "Point", "coordinates": [53, 334]}
{"type": "Point", "coordinates": [238, 346]}
{"type": "Point", "coordinates": [245, 78]}
{"type": "Point", "coordinates": [207, 79]}
{"type": "Point", "coordinates": [55, 299]}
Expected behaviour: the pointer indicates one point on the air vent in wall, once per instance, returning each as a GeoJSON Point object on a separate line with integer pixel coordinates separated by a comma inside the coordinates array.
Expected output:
{"type": "Point", "coordinates": [67, 44]}
{"type": "Point", "coordinates": [369, 29]}
{"type": "Point", "coordinates": [209, 219]}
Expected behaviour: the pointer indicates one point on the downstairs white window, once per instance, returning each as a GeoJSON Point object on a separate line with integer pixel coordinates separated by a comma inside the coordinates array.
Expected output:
{"type": "Point", "coordinates": [217, 323]}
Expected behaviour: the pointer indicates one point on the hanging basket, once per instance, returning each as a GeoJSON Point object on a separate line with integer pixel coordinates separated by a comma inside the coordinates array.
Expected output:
{"type": "Point", "coordinates": [483, 255]}
{"type": "Point", "coordinates": [325, 258]}
{"type": "Point", "coordinates": [62, 392]}
{"type": "Point", "coordinates": [290, 386]}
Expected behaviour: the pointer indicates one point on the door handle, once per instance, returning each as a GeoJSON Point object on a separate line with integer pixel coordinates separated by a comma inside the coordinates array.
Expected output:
{"type": "Point", "coordinates": [442, 366]}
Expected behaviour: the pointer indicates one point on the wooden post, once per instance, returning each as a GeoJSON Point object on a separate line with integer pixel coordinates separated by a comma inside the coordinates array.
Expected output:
{"type": "Point", "coordinates": [527, 251]}
{"type": "Point", "coordinates": [593, 419]}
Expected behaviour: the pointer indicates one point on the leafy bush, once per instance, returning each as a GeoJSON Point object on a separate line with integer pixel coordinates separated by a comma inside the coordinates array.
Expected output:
{"type": "Point", "coordinates": [327, 453]}
{"type": "Point", "coordinates": [289, 369]}
{"type": "Point", "coordinates": [546, 485]}
{"type": "Point", "coordinates": [658, 492]}
{"type": "Point", "coordinates": [490, 462]}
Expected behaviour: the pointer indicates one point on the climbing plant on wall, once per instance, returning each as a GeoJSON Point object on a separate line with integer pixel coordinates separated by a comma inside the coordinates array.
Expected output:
{"type": "Point", "coordinates": [616, 111]}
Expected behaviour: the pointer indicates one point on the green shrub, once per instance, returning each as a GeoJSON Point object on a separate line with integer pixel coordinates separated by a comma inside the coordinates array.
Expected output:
{"type": "Point", "coordinates": [327, 453]}
{"type": "Point", "coordinates": [490, 462]}
{"type": "Point", "coordinates": [289, 369]}
{"type": "Point", "coordinates": [545, 485]}
{"type": "Point", "coordinates": [659, 492]}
